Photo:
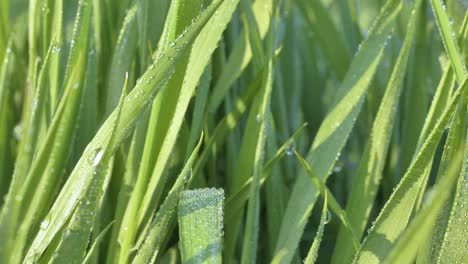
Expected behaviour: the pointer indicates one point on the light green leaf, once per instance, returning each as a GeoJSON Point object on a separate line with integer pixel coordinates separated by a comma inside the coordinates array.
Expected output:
{"type": "Point", "coordinates": [201, 225]}
{"type": "Point", "coordinates": [406, 248]}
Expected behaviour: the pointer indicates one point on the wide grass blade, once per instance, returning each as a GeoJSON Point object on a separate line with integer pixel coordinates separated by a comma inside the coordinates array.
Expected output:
{"type": "Point", "coordinates": [201, 225]}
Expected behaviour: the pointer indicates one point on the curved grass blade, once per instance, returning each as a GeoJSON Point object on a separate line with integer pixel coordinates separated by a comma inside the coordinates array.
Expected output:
{"type": "Point", "coordinates": [201, 225]}
{"type": "Point", "coordinates": [372, 164]}
{"type": "Point", "coordinates": [334, 131]}
{"type": "Point", "coordinates": [149, 85]}
{"type": "Point", "coordinates": [396, 212]}
{"type": "Point", "coordinates": [151, 246]}
{"type": "Point", "coordinates": [406, 248]}
{"type": "Point", "coordinates": [313, 251]}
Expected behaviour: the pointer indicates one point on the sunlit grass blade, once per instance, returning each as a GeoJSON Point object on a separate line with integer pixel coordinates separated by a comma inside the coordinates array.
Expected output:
{"type": "Point", "coordinates": [430, 252]}
{"type": "Point", "coordinates": [335, 130]}
{"type": "Point", "coordinates": [449, 39]}
{"type": "Point", "coordinates": [151, 246]}
{"type": "Point", "coordinates": [456, 237]}
{"type": "Point", "coordinates": [406, 247]}
{"type": "Point", "coordinates": [201, 225]}
{"type": "Point", "coordinates": [396, 212]}
{"type": "Point", "coordinates": [369, 174]}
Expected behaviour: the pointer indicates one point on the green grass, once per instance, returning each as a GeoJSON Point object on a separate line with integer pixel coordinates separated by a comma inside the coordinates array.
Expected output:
{"type": "Point", "coordinates": [207, 131]}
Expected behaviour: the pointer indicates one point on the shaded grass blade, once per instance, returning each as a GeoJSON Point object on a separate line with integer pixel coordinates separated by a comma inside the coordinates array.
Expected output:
{"type": "Point", "coordinates": [313, 251]}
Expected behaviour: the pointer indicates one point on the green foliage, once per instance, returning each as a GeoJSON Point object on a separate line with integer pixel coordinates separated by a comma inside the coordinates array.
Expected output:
{"type": "Point", "coordinates": [102, 104]}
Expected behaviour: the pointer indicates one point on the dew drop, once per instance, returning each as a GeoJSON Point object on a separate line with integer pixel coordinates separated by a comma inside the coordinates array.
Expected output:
{"type": "Point", "coordinates": [337, 168]}
{"type": "Point", "coordinates": [45, 223]}
{"type": "Point", "coordinates": [55, 49]}
{"type": "Point", "coordinates": [257, 118]}
{"type": "Point", "coordinates": [97, 157]}
{"type": "Point", "coordinates": [328, 217]}
{"type": "Point", "coordinates": [290, 149]}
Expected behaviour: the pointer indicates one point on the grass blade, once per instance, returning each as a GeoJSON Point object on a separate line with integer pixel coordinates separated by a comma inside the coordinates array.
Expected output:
{"type": "Point", "coordinates": [449, 39]}
{"type": "Point", "coordinates": [405, 249]}
{"type": "Point", "coordinates": [201, 225]}
{"type": "Point", "coordinates": [313, 251]}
